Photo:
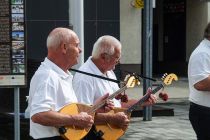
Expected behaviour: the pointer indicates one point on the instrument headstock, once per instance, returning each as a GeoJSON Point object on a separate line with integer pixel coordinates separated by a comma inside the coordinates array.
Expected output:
{"type": "Point", "coordinates": [131, 81]}
{"type": "Point", "coordinates": [169, 78]}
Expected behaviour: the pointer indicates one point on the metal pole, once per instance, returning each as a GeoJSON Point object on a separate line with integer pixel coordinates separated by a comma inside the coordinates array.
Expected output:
{"type": "Point", "coordinates": [17, 113]}
{"type": "Point", "coordinates": [147, 52]}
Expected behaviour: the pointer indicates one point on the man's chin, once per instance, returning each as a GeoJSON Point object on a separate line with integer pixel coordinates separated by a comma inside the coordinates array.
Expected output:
{"type": "Point", "coordinates": [111, 69]}
{"type": "Point", "coordinates": [76, 63]}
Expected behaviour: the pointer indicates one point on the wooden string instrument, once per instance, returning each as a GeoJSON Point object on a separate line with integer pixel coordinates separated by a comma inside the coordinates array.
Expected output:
{"type": "Point", "coordinates": [112, 132]}
{"type": "Point", "coordinates": [74, 133]}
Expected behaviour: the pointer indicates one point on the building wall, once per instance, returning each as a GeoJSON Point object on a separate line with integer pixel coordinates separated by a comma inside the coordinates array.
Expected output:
{"type": "Point", "coordinates": [101, 17]}
{"type": "Point", "coordinates": [197, 18]}
{"type": "Point", "coordinates": [130, 33]}
{"type": "Point", "coordinates": [41, 18]}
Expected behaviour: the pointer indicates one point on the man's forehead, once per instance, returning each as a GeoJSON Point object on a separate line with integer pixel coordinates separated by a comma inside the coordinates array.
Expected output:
{"type": "Point", "coordinates": [117, 50]}
{"type": "Point", "coordinates": [74, 39]}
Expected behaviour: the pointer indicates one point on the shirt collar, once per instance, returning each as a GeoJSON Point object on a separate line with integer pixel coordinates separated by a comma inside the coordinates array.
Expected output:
{"type": "Point", "coordinates": [94, 67]}
{"type": "Point", "coordinates": [207, 41]}
{"type": "Point", "coordinates": [57, 69]}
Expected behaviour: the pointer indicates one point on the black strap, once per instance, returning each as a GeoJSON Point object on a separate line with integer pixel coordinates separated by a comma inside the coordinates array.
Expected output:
{"type": "Point", "coordinates": [98, 76]}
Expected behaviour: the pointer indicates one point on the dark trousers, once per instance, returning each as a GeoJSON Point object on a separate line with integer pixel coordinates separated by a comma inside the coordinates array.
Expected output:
{"type": "Point", "coordinates": [200, 119]}
{"type": "Point", "coordinates": [92, 135]}
{"type": "Point", "coordinates": [51, 138]}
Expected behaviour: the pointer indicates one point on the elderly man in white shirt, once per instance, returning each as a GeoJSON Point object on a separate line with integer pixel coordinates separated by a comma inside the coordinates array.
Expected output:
{"type": "Point", "coordinates": [105, 55]}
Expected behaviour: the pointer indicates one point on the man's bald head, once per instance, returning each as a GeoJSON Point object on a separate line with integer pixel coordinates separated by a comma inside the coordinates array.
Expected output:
{"type": "Point", "coordinates": [58, 36]}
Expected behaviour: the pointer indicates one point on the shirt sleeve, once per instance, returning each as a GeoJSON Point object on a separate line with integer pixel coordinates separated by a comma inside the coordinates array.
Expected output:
{"type": "Point", "coordinates": [84, 90]}
{"type": "Point", "coordinates": [43, 99]}
{"type": "Point", "coordinates": [199, 67]}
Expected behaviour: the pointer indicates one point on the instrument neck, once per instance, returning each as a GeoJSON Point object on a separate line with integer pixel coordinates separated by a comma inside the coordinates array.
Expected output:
{"type": "Point", "coordinates": [99, 105]}
{"type": "Point", "coordinates": [143, 99]}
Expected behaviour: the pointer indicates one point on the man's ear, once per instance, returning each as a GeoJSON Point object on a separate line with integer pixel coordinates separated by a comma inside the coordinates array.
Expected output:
{"type": "Point", "coordinates": [104, 56]}
{"type": "Point", "coordinates": [63, 48]}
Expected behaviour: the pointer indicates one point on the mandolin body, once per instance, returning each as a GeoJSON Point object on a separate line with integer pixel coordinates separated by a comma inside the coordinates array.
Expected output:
{"type": "Point", "coordinates": [111, 132]}
{"type": "Point", "coordinates": [71, 132]}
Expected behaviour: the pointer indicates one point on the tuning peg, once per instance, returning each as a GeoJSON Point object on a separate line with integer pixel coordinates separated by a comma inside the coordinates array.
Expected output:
{"type": "Point", "coordinates": [138, 82]}
{"type": "Point", "coordinates": [163, 96]}
{"type": "Point", "coordinates": [126, 77]}
{"type": "Point", "coordinates": [164, 76]}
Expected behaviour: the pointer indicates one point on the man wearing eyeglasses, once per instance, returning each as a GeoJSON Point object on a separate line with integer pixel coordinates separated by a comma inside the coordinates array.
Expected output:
{"type": "Point", "coordinates": [106, 54]}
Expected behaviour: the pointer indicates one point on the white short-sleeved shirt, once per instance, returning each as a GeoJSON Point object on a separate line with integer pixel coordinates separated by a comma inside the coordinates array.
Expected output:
{"type": "Point", "coordinates": [50, 89]}
{"type": "Point", "coordinates": [199, 69]}
{"type": "Point", "coordinates": [89, 88]}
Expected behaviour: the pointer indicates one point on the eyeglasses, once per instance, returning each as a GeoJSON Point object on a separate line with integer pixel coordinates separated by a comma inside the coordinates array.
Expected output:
{"type": "Point", "coordinates": [117, 58]}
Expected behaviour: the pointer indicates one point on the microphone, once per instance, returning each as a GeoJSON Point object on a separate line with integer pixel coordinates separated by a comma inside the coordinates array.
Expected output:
{"type": "Point", "coordinates": [143, 77]}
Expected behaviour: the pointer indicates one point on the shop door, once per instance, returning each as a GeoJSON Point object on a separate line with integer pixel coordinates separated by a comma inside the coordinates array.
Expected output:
{"type": "Point", "coordinates": [174, 30]}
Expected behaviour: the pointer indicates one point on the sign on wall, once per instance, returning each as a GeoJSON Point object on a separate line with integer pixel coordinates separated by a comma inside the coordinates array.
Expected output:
{"type": "Point", "coordinates": [140, 3]}
{"type": "Point", "coordinates": [12, 43]}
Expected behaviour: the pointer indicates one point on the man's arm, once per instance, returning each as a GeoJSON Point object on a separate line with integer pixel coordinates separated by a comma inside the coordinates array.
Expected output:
{"type": "Point", "coordinates": [203, 85]}
{"type": "Point", "coordinates": [109, 105]}
{"type": "Point", "coordinates": [152, 100]}
{"type": "Point", "coordinates": [119, 119]}
{"type": "Point", "coordinates": [52, 118]}
{"type": "Point", "coordinates": [198, 71]}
